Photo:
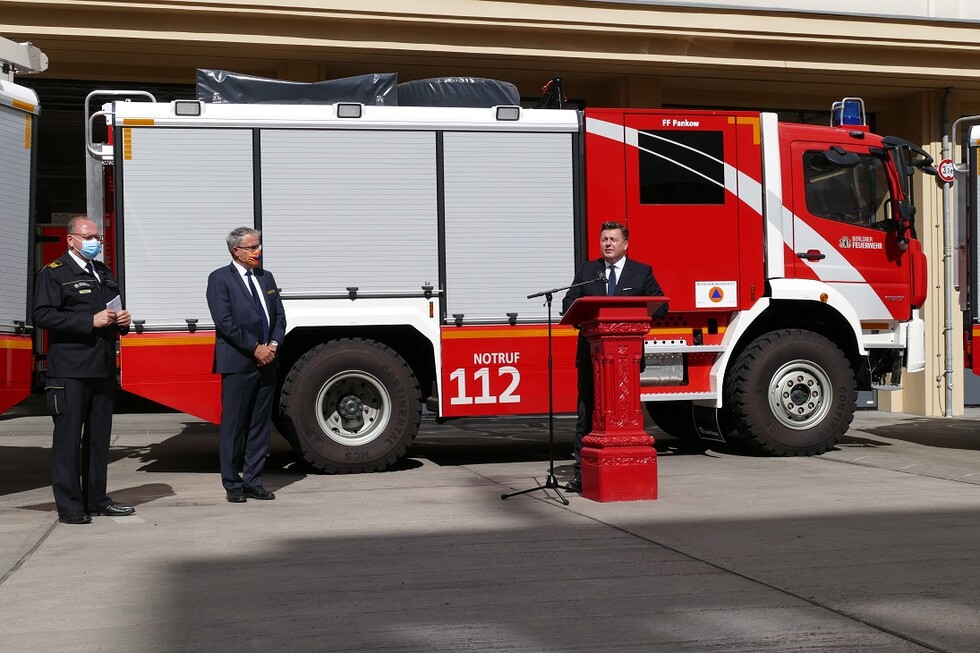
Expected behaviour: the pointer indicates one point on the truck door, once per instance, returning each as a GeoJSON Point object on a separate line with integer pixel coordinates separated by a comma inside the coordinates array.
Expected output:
{"type": "Point", "coordinates": [844, 230]}
{"type": "Point", "coordinates": [682, 202]}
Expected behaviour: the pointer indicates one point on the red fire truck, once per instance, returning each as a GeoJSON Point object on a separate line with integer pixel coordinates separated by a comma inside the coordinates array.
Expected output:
{"type": "Point", "coordinates": [406, 240]}
{"type": "Point", "coordinates": [19, 109]}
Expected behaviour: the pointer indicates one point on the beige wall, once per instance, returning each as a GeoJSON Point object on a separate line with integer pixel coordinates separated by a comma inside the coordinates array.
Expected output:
{"type": "Point", "coordinates": [531, 41]}
{"type": "Point", "coordinates": [607, 54]}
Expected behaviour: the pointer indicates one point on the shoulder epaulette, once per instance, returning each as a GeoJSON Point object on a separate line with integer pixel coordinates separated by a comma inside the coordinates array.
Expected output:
{"type": "Point", "coordinates": [55, 264]}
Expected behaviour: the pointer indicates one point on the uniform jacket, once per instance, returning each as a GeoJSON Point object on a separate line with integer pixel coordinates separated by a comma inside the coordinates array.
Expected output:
{"type": "Point", "coordinates": [66, 298]}
{"type": "Point", "coordinates": [636, 280]}
{"type": "Point", "coordinates": [236, 320]}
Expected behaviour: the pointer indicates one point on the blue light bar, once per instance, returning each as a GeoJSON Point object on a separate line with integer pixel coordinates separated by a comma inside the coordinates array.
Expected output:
{"type": "Point", "coordinates": [848, 112]}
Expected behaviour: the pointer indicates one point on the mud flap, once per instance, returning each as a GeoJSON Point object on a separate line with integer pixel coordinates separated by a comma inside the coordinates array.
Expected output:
{"type": "Point", "coordinates": [706, 423]}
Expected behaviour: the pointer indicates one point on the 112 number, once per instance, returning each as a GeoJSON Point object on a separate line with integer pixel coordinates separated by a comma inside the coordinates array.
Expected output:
{"type": "Point", "coordinates": [482, 376]}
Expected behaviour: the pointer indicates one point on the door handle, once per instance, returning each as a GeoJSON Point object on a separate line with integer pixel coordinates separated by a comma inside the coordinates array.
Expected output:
{"type": "Point", "coordinates": [812, 255]}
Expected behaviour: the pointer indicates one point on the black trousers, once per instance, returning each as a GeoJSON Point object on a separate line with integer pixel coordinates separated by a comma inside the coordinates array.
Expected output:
{"type": "Point", "coordinates": [246, 421]}
{"type": "Point", "coordinates": [82, 414]}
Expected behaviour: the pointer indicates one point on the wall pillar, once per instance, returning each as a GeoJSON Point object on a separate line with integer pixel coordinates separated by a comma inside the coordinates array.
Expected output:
{"type": "Point", "coordinates": [918, 118]}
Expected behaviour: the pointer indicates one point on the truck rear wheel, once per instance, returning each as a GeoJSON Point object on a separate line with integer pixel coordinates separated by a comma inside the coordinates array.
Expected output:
{"type": "Point", "coordinates": [791, 393]}
{"type": "Point", "coordinates": [354, 406]}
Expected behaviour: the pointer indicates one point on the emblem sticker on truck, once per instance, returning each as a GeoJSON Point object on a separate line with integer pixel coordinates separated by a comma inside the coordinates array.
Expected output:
{"type": "Point", "coordinates": [859, 242]}
{"type": "Point", "coordinates": [715, 294]}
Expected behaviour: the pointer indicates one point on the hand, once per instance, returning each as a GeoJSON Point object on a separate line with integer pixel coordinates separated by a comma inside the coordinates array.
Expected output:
{"type": "Point", "coordinates": [123, 318]}
{"type": "Point", "coordinates": [264, 354]}
{"type": "Point", "coordinates": [103, 318]}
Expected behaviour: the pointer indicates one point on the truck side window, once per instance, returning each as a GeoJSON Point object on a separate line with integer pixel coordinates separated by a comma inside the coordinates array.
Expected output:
{"type": "Point", "coordinates": [855, 194]}
{"type": "Point", "coordinates": [681, 167]}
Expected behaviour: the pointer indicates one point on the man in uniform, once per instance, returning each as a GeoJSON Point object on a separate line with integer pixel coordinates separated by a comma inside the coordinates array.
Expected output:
{"type": "Point", "coordinates": [77, 301]}
{"type": "Point", "coordinates": [614, 275]}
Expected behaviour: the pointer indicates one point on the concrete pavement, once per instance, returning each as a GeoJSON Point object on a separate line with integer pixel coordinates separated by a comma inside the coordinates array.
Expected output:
{"type": "Point", "coordinates": [871, 547]}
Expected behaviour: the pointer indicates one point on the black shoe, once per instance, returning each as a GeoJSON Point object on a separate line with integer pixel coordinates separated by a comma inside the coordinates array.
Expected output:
{"type": "Point", "coordinates": [77, 517]}
{"type": "Point", "coordinates": [236, 496]}
{"type": "Point", "coordinates": [575, 485]}
{"type": "Point", "coordinates": [259, 492]}
{"type": "Point", "coordinates": [114, 510]}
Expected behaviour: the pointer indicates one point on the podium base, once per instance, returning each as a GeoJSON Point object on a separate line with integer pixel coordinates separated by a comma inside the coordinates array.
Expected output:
{"type": "Point", "coordinates": [624, 473]}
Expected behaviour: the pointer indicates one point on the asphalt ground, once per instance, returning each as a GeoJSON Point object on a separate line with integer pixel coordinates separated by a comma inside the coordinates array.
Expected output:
{"type": "Point", "coordinates": [870, 547]}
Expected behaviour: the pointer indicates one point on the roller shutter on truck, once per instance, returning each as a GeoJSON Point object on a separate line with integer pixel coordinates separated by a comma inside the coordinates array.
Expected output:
{"type": "Point", "coordinates": [509, 222]}
{"type": "Point", "coordinates": [350, 209]}
{"type": "Point", "coordinates": [185, 190]}
{"type": "Point", "coordinates": [18, 110]}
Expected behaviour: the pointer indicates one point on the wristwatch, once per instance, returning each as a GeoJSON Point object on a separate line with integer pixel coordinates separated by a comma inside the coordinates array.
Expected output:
{"type": "Point", "coordinates": [273, 344]}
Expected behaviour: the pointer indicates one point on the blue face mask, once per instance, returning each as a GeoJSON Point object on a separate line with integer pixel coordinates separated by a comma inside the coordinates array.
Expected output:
{"type": "Point", "coordinates": [90, 248]}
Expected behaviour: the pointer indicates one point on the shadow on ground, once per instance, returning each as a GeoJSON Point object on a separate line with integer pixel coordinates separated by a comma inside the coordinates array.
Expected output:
{"type": "Point", "coordinates": [28, 468]}
{"type": "Point", "coordinates": [553, 585]}
{"type": "Point", "coordinates": [945, 433]}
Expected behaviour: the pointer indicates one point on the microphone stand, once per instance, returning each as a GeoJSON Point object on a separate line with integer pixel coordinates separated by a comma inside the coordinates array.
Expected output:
{"type": "Point", "coordinates": [551, 482]}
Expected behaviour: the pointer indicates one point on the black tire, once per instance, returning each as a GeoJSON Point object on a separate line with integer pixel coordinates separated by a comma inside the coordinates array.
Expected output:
{"type": "Point", "coordinates": [353, 405]}
{"type": "Point", "coordinates": [674, 418]}
{"type": "Point", "coordinates": [283, 426]}
{"type": "Point", "coordinates": [791, 393]}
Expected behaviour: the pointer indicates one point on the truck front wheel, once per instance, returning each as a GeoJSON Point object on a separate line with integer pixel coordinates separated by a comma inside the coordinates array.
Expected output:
{"type": "Point", "coordinates": [791, 393]}
{"type": "Point", "coordinates": [354, 406]}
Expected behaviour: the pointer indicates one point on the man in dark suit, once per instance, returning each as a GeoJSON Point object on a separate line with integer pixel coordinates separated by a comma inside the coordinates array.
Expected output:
{"type": "Point", "coordinates": [77, 301]}
{"type": "Point", "coordinates": [613, 274]}
{"type": "Point", "coordinates": [249, 323]}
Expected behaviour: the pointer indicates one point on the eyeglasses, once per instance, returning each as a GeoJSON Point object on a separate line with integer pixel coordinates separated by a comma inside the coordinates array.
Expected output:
{"type": "Point", "coordinates": [98, 237]}
{"type": "Point", "coordinates": [251, 248]}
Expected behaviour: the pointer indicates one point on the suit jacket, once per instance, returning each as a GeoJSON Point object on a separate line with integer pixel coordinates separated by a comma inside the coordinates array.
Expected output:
{"type": "Point", "coordinates": [636, 280]}
{"type": "Point", "coordinates": [237, 322]}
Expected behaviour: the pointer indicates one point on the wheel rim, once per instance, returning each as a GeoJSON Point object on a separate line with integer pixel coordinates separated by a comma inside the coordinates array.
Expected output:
{"type": "Point", "coordinates": [800, 395]}
{"type": "Point", "coordinates": [353, 408]}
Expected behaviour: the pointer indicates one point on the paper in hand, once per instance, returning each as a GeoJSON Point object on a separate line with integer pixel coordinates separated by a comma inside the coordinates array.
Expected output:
{"type": "Point", "coordinates": [114, 304]}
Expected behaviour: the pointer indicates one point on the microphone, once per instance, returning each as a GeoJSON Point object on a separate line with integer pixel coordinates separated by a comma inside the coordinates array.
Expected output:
{"type": "Point", "coordinates": [601, 277]}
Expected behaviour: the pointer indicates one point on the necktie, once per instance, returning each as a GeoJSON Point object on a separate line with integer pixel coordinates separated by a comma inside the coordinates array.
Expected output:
{"type": "Point", "coordinates": [611, 281]}
{"type": "Point", "coordinates": [91, 270]}
{"type": "Point", "coordinates": [258, 306]}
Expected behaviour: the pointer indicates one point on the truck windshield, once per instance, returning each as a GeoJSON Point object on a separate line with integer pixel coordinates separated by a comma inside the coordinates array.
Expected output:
{"type": "Point", "coordinates": [855, 194]}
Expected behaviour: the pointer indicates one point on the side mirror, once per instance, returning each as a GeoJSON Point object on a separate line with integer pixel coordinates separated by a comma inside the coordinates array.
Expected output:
{"type": "Point", "coordinates": [918, 157]}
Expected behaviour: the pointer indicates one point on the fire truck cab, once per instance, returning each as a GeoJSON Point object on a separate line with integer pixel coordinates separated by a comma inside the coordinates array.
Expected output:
{"type": "Point", "coordinates": [789, 255]}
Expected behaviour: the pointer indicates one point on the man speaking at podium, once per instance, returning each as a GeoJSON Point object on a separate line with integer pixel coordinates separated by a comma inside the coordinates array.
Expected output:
{"type": "Point", "coordinates": [614, 275]}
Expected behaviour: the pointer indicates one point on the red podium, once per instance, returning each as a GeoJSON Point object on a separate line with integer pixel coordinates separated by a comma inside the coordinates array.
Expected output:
{"type": "Point", "coordinates": [619, 462]}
